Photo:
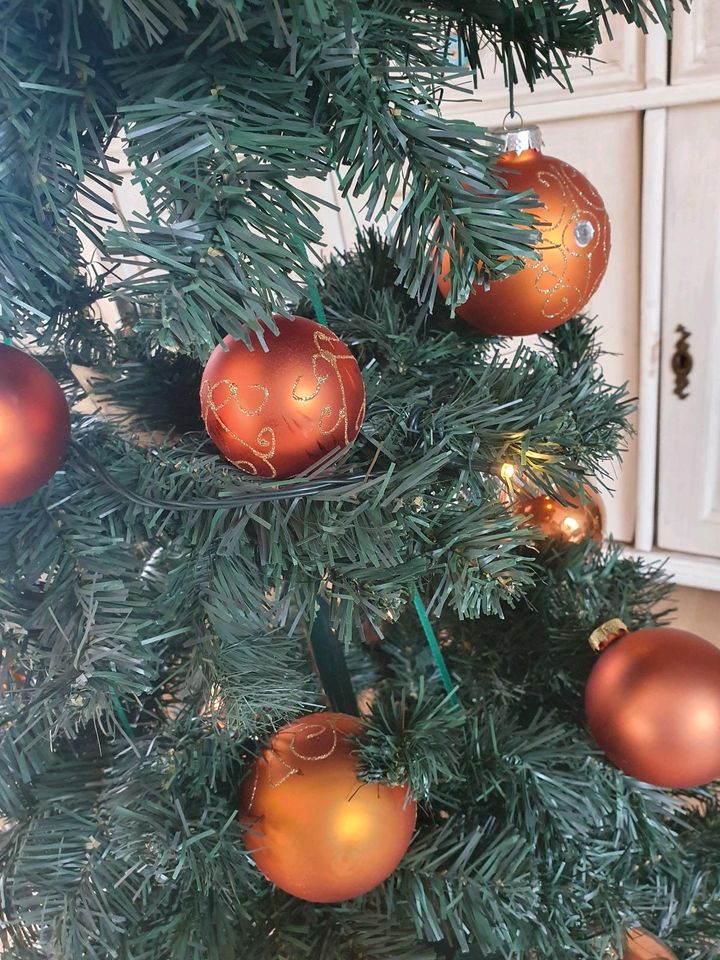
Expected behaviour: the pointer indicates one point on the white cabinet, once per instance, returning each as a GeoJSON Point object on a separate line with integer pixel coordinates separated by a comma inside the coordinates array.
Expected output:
{"type": "Point", "coordinates": [689, 455]}
{"type": "Point", "coordinates": [696, 44]}
{"type": "Point", "coordinates": [619, 64]}
{"type": "Point", "coordinates": [608, 150]}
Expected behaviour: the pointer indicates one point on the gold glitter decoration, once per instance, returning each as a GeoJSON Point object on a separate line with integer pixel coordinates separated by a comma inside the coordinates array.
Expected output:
{"type": "Point", "coordinates": [312, 826]}
{"type": "Point", "coordinates": [574, 248]}
{"type": "Point", "coordinates": [275, 413]}
{"type": "Point", "coordinates": [311, 731]}
{"type": "Point", "coordinates": [266, 435]}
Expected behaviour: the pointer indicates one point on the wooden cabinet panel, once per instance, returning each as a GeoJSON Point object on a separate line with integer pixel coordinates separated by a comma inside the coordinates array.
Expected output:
{"type": "Point", "coordinates": [696, 43]}
{"type": "Point", "coordinates": [619, 64]}
{"type": "Point", "coordinates": [608, 150]}
{"type": "Point", "coordinates": [689, 455]}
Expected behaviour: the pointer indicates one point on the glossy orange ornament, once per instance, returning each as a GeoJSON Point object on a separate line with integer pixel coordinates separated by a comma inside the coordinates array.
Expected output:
{"type": "Point", "coordinates": [315, 829]}
{"type": "Point", "coordinates": [652, 703]}
{"type": "Point", "coordinates": [19, 679]}
{"type": "Point", "coordinates": [641, 945]}
{"type": "Point", "coordinates": [274, 413]}
{"type": "Point", "coordinates": [369, 634]}
{"type": "Point", "coordinates": [574, 521]}
{"type": "Point", "coordinates": [34, 425]}
{"type": "Point", "coordinates": [574, 246]}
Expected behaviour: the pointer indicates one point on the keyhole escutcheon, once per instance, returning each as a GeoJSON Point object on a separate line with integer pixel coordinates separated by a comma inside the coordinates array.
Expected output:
{"type": "Point", "coordinates": [682, 362]}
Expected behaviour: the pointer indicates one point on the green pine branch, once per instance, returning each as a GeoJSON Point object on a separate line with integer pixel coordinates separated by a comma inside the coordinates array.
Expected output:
{"type": "Point", "coordinates": [224, 113]}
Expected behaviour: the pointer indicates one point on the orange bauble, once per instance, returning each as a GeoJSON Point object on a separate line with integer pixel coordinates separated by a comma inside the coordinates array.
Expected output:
{"type": "Point", "coordinates": [574, 246]}
{"type": "Point", "coordinates": [315, 829]}
{"type": "Point", "coordinates": [274, 413]}
{"type": "Point", "coordinates": [652, 703]}
{"type": "Point", "coordinates": [34, 425]}
{"type": "Point", "coordinates": [574, 521]}
{"type": "Point", "coordinates": [641, 945]}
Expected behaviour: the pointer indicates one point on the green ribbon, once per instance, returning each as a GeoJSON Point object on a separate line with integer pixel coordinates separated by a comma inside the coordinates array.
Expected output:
{"type": "Point", "coordinates": [328, 655]}
{"type": "Point", "coordinates": [434, 647]}
{"type": "Point", "coordinates": [122, 716]}
{"type": "Point", "coordinates": [331, 664]}
{"type": "Point", "coordinates": [317, 304]}
{"type": "Point", "coordinates": [312, 287]}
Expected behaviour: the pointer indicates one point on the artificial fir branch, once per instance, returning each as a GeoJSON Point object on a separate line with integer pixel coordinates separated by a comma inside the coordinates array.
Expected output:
{"type": "Point", "coordinates": [240, 104]}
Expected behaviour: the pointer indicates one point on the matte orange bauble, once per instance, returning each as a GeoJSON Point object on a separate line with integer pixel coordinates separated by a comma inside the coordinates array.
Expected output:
{"type": "Point", "coordinates": [313, 827]}
{"type": "Point", "coordinates": [274, 413]}
{"type": "Point", "coordinates": [574, 246]}
{"type": "Point", "coordinates": [652, 703]}
{"type": "Point", "coordinates": [34, 425]}
{"type": "Point", "coordinates": [573, 521]}
{"type": "Point", "coordinates": [641, 945]}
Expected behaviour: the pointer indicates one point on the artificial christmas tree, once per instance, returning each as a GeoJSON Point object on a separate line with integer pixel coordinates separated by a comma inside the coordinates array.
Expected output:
{"type": "Point", "coordinates": [164, 616]}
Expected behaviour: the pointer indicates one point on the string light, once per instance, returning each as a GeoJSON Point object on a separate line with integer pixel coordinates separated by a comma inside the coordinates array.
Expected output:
{"type": "Point", "coordinates": [214, 707]}
{"type": "Point", "coordinates": [570, 525]}
{"type": "Point", "coordinates": [507, 473]}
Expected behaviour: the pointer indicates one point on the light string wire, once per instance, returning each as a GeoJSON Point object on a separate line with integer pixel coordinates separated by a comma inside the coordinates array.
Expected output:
{"type": "Point", "coordinates": [305, 488]}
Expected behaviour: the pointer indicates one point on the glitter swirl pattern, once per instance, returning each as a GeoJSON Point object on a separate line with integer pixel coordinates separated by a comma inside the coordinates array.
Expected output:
{"type": "Point", "coordinates": [311, 825]}
{"type": "Point", "coordinates": [566, 276]}
{"type": "Point", "coordinates": [274, 413]}
{"type": "Point", "coordinates": [574, 249]}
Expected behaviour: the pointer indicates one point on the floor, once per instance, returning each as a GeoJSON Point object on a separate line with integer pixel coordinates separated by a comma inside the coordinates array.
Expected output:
{"type": "Point", "coordinates": [698, 611]}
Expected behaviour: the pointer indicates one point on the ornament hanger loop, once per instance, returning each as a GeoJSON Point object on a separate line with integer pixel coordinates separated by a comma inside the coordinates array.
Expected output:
{"type": "Point", "coordinates": [510, 116]}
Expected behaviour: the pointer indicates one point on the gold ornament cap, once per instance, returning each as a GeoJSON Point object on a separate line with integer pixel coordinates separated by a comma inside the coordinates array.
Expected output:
{"type": "Point", "coordinates": [517, 139]}
{"type": "Point", "coordinates": [604, 635]}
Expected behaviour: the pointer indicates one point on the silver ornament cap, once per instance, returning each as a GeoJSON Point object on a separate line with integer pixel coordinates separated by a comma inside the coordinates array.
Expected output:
{"type": "Point", "coordinates": [517, 139]}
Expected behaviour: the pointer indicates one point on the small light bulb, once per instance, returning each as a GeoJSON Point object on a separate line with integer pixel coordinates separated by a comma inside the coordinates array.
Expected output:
{"type": "Point", "coordinates": [507, 471]}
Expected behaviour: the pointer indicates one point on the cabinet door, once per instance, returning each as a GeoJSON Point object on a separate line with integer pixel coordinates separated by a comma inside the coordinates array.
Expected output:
{"type": "Point", "coordinates": [608, 150]}
{"type": "Point", "coordinates": [696, 43]}
{"type": "Point", "coordinates": [689, 456]}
